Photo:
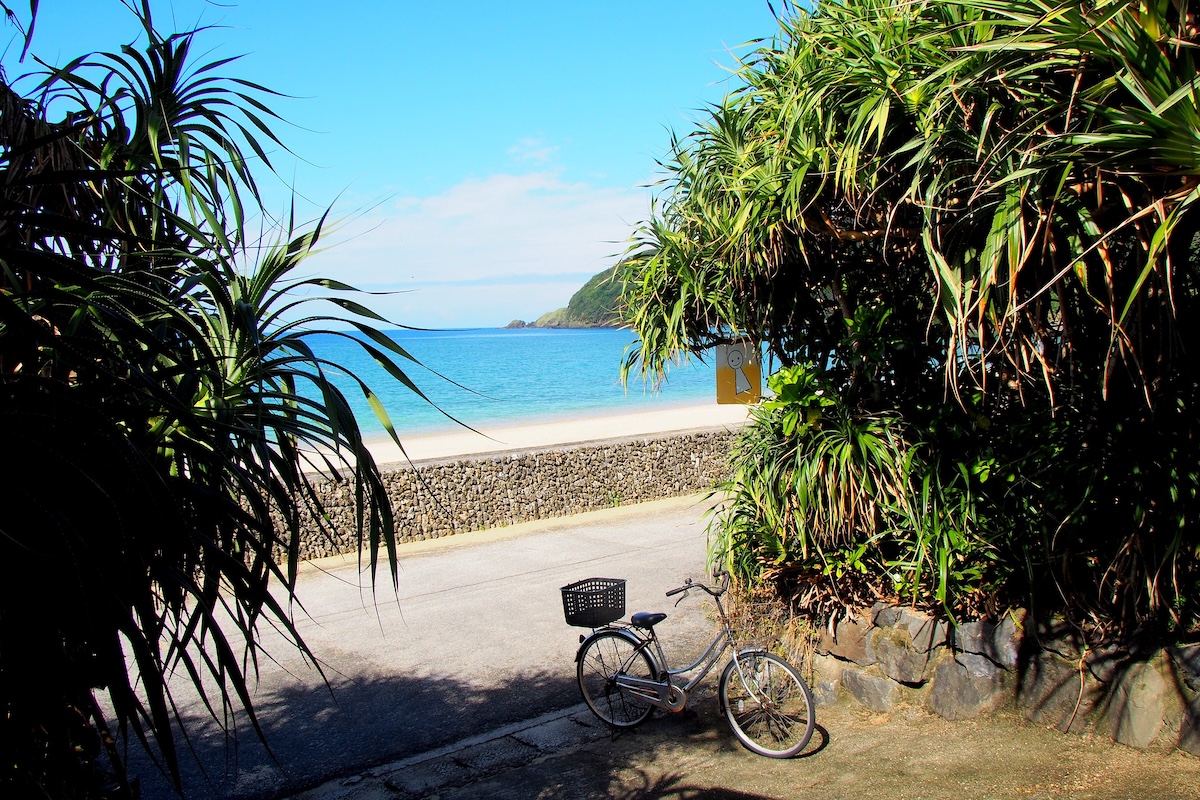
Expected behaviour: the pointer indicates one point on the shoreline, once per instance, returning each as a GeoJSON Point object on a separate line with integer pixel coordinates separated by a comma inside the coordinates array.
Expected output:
{"type": "Point", "coordinates": [574, 430]}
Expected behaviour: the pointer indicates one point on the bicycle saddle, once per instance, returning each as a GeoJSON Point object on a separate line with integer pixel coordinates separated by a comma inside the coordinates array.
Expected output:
{"type": "Point", "coordinates": [647, 619]}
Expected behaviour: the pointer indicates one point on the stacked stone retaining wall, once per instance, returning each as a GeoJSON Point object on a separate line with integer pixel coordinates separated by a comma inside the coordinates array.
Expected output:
{"type": "Point", "coordinates": [887, 656]}
{"type": "Point", "coordinates": [443, 497]}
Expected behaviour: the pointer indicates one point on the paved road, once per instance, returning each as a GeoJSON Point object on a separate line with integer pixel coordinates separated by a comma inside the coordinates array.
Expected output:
{"type": "Point", "coordinates": [474, 641]}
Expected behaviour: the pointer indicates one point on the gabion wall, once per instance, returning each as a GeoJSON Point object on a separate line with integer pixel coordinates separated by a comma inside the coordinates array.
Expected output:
{"type": "Point", "coordinates": [444, 497]}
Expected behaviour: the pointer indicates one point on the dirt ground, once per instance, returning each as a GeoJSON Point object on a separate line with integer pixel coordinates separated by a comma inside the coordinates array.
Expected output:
{"type": "Point", "coordinates": [856, 755]}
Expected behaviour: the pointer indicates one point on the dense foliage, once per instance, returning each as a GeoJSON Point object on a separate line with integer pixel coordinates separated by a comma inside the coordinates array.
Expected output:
{"type": "Point", "coordinates": [159, 409]}
{"type": "Point", "coordinates": [968, 226]}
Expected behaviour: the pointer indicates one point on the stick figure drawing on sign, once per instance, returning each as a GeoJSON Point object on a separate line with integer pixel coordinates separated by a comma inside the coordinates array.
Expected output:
{"type": "Point", "coordinates": [738, 374]}
{"type": "Point", "coordinates": [735, 358]}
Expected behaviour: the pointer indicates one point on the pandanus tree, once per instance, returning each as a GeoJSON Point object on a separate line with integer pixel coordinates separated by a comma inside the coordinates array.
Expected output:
{"type": "Point", "coordinates": [161, 411]}
{"type": "Point", "coordinates": [973, 224]}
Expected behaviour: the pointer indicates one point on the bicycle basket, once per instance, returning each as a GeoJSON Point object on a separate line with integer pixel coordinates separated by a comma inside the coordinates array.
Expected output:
{"type": "Point", "coordinates": [594, 602]}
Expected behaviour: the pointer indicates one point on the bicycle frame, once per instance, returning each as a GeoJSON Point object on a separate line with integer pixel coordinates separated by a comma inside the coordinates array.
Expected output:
{"type": "Point", "coordinates": [664, 692]}
{"type": "Point", "coordinates": [624, 675]}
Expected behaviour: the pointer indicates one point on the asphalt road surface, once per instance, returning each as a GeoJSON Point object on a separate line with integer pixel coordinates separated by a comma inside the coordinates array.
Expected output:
{"type": "Point", "coordinates": [474, 640]}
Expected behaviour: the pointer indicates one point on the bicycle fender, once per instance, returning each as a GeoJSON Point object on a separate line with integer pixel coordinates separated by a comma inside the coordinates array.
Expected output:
{"type": "Point", "coordinates": [745, 651]}
{"type": "Point", "coordinates": [635, 641]}
{"type": "Point", "coordinates": [751, 651]}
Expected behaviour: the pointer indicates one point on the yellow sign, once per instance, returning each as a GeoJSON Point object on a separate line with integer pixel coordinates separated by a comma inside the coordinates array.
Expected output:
{"type": "Point", "coordinates": [739, 374]}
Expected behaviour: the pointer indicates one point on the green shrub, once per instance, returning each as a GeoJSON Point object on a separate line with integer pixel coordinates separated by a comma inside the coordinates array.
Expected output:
{"type": "Point", "coordinates": [843, 507]}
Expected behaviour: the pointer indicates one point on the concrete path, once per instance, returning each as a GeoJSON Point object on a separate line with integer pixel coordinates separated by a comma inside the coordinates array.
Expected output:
{"type": "Point", "coordinates": [474, 642]}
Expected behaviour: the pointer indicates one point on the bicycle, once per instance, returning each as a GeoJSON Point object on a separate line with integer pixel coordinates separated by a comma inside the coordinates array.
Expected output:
{"type": "Point", "coordinates": [623, 673]}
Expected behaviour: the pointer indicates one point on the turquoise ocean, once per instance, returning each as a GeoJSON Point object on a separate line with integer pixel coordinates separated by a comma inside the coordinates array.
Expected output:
{"type": "Point", "coordinates": [512, 377]}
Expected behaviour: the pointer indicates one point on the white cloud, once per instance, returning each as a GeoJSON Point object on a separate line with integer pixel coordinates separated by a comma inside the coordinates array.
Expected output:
{"type": "Point", "coordinates": [485, 251]}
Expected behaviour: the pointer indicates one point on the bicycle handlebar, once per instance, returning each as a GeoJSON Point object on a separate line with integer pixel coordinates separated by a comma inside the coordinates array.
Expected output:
{"type": "Point", "coordinates": [688, 584]}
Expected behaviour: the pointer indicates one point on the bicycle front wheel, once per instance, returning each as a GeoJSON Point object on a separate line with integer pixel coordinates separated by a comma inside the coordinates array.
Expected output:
{"type": "Point", "coordinates": [604, 656]}
{"type": "Point", "coordinates": [768, 704]}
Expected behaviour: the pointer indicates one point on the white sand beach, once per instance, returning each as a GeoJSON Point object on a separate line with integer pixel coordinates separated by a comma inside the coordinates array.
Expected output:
{"type": "Point", "coordinates": [570, 431]}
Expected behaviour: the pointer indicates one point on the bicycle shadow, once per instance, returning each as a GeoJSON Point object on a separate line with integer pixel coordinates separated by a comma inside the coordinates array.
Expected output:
{"type": "Point", "coordinates": [676, 787]}
{"type": "Point", "coordinates": [716, 727]}
{"type": "Point", "coordinates": [821, 736]}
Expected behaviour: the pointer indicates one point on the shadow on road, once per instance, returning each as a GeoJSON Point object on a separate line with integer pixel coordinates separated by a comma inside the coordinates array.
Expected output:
{"type": "Point", "coordinates": [367, 720]}
{"type": "Point", "coordinates": [371, 720]}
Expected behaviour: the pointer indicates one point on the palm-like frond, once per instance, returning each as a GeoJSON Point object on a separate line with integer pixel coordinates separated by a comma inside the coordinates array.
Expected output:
{"type": "Point", "coordinates": [960, 198]}
{"type": "Point", "coordinates": [996, 153]}
{"type": "Point", "coordinates": [160, 407]}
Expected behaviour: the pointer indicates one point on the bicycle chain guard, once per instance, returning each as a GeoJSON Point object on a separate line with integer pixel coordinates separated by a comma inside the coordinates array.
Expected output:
{"type": "Point", "coordinates": [663, 694]}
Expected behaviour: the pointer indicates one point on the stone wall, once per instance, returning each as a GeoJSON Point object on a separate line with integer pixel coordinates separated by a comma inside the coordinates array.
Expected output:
{"type": "Point", "coordinates": [444, 497]}
{"type": "Point", "coordinates": [886, 656]}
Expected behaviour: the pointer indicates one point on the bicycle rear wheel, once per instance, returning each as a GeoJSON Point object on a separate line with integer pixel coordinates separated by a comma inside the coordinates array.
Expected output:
{"type": "Point", "coordinates": [768, 704]}
{"type": "Point", "coordinates": [603, 656]}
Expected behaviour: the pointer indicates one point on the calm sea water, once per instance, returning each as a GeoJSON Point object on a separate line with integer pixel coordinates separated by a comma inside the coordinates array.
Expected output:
{"type": "Point", "coordinates": [512, 377]}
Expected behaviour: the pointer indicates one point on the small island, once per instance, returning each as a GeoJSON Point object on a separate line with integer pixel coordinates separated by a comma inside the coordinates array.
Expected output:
{"type": "Point", "coordinates": [593, 306]}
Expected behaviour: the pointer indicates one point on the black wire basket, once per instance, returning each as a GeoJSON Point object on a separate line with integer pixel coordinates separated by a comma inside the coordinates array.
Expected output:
{"type": "Point", "coordinates": [594, 602]}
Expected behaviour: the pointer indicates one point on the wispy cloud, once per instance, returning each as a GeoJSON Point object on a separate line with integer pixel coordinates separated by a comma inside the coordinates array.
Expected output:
{"type": "Point", "coordinates": [536, 151]}
{"type": "Point", "coordinates": [520, 241]}
{"type": "Point", "coordinates": [570, 278]}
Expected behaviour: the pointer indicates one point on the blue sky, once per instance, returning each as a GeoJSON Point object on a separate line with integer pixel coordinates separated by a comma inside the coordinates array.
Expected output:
{"type": "Point", "coordinates": [484, 158]}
